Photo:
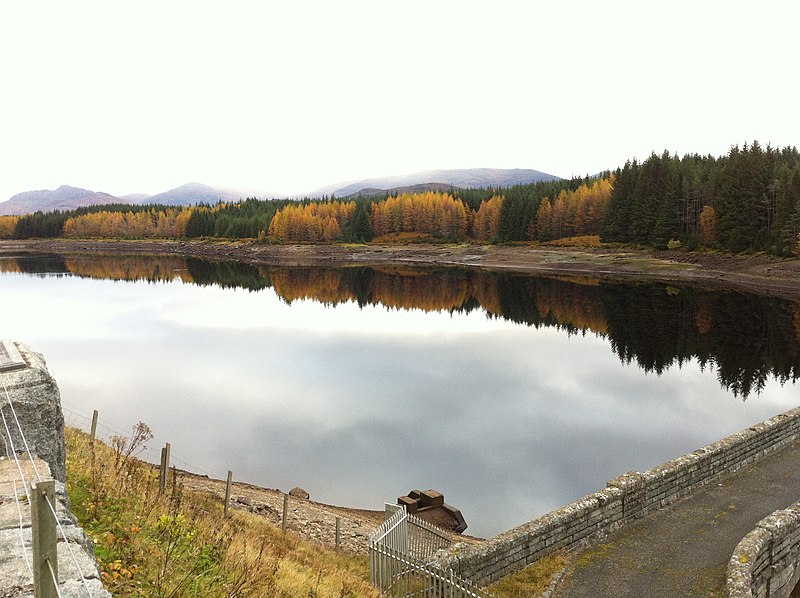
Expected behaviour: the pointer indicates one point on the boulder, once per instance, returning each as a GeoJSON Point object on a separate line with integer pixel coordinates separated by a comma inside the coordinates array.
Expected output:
{"type": "Point", "coordinates": [298, 492]}
{"type": "Point", "coordinates": [37, 406]}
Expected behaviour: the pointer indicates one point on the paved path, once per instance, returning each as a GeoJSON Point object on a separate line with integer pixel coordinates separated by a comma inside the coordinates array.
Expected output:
{"type": "Point", "coordinates": [683, 549]}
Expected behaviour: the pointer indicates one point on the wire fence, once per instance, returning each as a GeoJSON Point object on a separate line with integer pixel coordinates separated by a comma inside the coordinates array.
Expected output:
{"type": "Point", "coordinates": [105, 431]}
{"type": "Point", "coordinates": [41, 534]}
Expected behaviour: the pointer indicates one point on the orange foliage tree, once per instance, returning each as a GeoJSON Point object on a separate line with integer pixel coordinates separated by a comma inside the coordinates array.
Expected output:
{"type": "Point", "coordinates": [7, 225]}
{"type": "Point", "coordinates": [429, 212]}
{"type": "Point", "coordinates": [572, 213]}
{"type": "Point", "coordinates": [709, 223]}
{"type": "Point", "coordinates": [143, 224]}
{"type": "Point", "coordinates": [484, 225]}
{"type": "Point", "coordinates": [312, 222]}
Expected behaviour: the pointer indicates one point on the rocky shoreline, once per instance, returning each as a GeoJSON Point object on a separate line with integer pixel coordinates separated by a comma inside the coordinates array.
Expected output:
{"type": "Point", "coordinates": [313, 521]}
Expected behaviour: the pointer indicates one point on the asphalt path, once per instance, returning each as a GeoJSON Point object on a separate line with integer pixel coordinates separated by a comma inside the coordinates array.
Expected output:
{"type": "Point", "coordinates": [683, 550]}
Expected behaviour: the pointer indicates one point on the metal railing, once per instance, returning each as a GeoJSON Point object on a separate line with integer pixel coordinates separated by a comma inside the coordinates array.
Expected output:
{"type": "Point", "coordinates": [400, 553]}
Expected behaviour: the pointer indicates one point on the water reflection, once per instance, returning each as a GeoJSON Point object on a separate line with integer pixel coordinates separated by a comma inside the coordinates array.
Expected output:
{"type": "Point", "coordinates": [499, 390]}
{"type": "Point", "coordinates": [746, 339]}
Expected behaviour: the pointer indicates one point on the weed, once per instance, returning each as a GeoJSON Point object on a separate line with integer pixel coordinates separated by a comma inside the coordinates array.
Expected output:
{"type": "Point", "coordinates": [150, 542]}
{"type": "Point", "coordinates": [532, 580]}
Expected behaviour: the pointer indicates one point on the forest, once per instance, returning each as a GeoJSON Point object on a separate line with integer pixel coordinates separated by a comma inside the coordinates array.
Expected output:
{"type": "Point", "coordinates": [745, 201]}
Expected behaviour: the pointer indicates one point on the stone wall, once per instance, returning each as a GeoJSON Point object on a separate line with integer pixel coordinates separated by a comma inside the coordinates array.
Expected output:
{"type": "Point", "coordinates": [625, 499]}
{"type": "Point", "coordinates": [37, 404]}
{"type": "Point", "coordinates": [765, 563]}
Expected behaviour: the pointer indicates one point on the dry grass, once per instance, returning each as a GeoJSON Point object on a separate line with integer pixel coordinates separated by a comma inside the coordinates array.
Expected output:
{"type": "Point", "coordinates": [584, 241]}
{"type": "Point", "coordinates": [530, 581]}
{"type": "Point", "coordinates": [405, 238]}
{"type": "Point", "coordinates": [177, 543]}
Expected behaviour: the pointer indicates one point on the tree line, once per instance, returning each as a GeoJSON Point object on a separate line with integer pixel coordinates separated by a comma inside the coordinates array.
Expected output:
{"type": "Point", "coordinates": [747, 200]}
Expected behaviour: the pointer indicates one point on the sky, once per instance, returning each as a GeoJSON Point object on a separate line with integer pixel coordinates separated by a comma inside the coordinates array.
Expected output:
{"type": "Point", "coordinates": [284, 97]}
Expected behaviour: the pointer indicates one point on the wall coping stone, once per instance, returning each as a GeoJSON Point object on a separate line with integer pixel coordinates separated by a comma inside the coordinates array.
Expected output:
{"type": "Point", "coordinates": [742, 573]}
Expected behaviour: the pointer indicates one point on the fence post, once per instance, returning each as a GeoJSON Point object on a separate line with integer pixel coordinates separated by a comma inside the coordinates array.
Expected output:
{"type": "Point", "coordinates": [338, 531]}
{"type": "Point", "coordinates": [162, 480]}
{"type": "Point", "coordinates": [94, 427]}
{"type": "Point", "coordinates": [227, 494]}
{"type": "Point", "coordinates": [285, 511]}
{"type": "Point", "coordinates": [43, 530]}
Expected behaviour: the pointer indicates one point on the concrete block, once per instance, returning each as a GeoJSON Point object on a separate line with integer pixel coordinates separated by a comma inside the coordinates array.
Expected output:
{"type": "Point", "coordinates": [37, 405]}
{"type": "Point", "coordinates": [409, 503]}
{"type": "Point", "coordinates": [431, 498]}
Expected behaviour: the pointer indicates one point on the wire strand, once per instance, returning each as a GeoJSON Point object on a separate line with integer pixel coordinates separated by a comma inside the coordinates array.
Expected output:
{"type": "Point", "coordinates": [14, 452]}
{"type": "Point", "coordinates": [150, 455]}
{"type": "Point", "coordinates": [53, 577]}
{"type": "Point", "coordinates": [21, 535]}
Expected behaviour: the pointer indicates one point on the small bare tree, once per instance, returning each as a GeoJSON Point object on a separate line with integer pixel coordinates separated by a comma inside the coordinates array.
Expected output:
{"type": "Point", "coordinates": [125, 448]}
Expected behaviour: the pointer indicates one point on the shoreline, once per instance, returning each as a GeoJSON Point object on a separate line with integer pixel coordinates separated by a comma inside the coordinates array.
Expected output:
{"type": "Point", "coordinates": [760, 273]}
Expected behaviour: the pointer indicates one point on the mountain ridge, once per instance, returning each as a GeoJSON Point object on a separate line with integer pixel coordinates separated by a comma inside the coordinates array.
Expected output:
{"type": "Point", "coordinates": [66, 198]}
{"type": "Point", "coordinates": [192, 193]}
{"type": "Point", "coordinates": [456, 177]}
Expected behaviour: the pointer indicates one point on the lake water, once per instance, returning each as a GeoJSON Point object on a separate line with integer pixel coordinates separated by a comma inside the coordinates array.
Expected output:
{"type": "Point", "coordinates": [510, 394]}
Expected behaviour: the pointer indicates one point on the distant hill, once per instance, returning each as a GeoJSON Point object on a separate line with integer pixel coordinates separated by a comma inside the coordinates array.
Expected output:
{"type": "Point", "coordinates": [191, 194]}
{"type": "Point", "coordinates": [462, 177]}
{"type": "Point", "coordinates": [134, 197]}
{"type": "Point", "coordinates": [68, 198]}
{"type": "Point", "coordinates": [63, 198]}
{"type": "Point", "coordinates": [421, 188]}
{"type": "Point", "coordinates": [245, 192]}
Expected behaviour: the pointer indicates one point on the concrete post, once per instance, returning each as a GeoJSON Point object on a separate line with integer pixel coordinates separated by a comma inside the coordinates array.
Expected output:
{"type": "Point", "coordinates": [43, 529]}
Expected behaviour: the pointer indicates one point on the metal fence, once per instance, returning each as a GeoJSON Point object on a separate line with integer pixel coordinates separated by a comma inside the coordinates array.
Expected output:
{"type": "Point", "coordinates": [400, 554]}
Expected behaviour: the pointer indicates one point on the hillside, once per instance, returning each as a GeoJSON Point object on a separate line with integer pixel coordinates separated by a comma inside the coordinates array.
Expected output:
{"type": "Point", "coordinates": [134, 197]}
{"type": "Point", "coordinates": [68, 198]}
{"type": "Point", "coordinates": [191, 194]}
{"type": "Point", "coordinates": [421, 188]}
{"type": "Point", "coordinates": [46, 200]}
{"type": "Point", "coordinates": [179, 543]}
{"type": "Point", "coordinates": [461, 177]}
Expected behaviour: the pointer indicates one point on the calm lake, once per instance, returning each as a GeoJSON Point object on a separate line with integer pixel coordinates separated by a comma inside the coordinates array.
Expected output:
{"type": "Point", "coordinates": [510, 394]}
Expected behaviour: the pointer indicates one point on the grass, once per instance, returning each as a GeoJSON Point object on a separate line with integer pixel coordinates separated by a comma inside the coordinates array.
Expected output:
{"type": "Point", "coordinates": [409, 238]}
{"type": "Point", "coordinates": [583, 241]}
{"type": "Point", "coordinates": [532, 580]}
{"type": "Point", "coordinates": [710, 583]}
{"type": "Point", "coordinates": [177, 543]}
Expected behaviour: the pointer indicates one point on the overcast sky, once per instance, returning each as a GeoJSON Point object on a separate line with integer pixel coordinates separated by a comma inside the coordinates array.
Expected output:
{"type": "Point", "coordinates": [284, 97]}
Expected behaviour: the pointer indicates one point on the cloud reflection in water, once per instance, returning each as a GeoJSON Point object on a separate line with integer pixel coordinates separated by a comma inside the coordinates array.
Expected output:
{"type": "Point", "coordinates": [359, 406]}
